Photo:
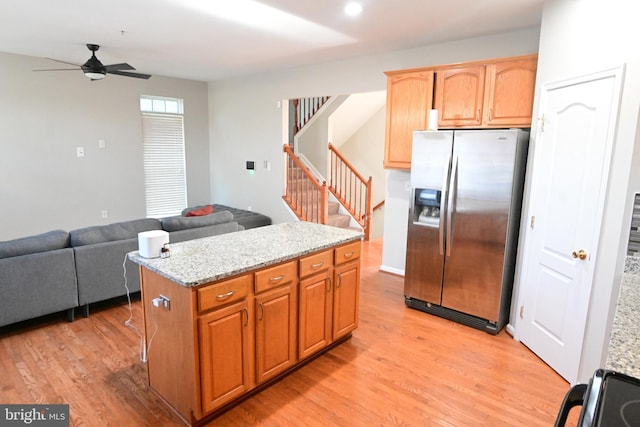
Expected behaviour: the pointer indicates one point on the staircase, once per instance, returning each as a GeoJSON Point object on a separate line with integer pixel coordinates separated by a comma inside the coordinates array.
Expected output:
{"type": "Point", "coordinates": [308, 197]}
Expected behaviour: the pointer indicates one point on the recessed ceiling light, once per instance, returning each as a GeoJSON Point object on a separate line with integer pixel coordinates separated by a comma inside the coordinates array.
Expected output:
{"type": "Point", "coordinates": [353, 8]}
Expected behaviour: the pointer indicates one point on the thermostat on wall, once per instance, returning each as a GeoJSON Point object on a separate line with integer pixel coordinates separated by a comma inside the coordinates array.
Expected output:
{"type": "Point", "coordinates": [251, 165]}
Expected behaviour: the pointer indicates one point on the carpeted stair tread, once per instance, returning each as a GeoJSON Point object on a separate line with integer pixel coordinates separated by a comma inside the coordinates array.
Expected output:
{"type": "Point", "coordinates": [339, 220]}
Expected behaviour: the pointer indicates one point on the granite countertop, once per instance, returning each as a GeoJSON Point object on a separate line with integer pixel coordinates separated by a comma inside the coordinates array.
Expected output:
{"type": "Point", "coordinates": [624, 344]}
{"type": "Point", "coordinates": [199, 261]}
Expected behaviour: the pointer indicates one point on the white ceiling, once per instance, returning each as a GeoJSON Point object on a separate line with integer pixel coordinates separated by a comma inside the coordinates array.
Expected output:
{"type": "Point", "coordinates": [177, 38]}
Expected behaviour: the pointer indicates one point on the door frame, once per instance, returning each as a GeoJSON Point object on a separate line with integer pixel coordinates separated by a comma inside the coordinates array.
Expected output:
{"type": "Point", "coordinates": [524, 252]}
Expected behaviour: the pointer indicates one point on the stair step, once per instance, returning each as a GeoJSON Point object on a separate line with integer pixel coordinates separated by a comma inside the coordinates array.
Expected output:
{"type": "Point", "coordinates": [339, 220]}
{"type": "Point", "coordinates": [334, 207]}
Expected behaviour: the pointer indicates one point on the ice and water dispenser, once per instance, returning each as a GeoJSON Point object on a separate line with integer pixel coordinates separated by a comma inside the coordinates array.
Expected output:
{"type": "Point", "coordinates": [426, 207]}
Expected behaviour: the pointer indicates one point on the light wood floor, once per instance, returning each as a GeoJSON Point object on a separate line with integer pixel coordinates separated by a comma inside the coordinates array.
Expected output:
{"type": "Point", "coordinates": [401, 367]}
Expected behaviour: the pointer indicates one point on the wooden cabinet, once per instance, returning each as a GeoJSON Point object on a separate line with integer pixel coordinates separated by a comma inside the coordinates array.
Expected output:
{"type": "Point", "coordinates": [276, 320]}
{"type": "Point", "coordinates": [409, 100]}
{"type": "Point", "coordinates": [316, 303]}
{"type": "Point", "coordinates": [225, 370]}
{"type": "Point", "coordinates": [508, 100]}
{"type": "Point", "coordinates": [495, 94]}
{"type": "Point", "coordinates": [459, 96]}
{"type": "Point", "coordinates": [218, 341]}
{"type": "Point", "coordinates": [346, 290]}
{"type": "Point", "coordinates": [329, 300]}
{"type": "Point", "coordinates": [484, 94]}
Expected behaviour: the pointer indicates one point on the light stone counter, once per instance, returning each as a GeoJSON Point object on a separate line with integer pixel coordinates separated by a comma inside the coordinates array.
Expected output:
{"type": "Point", "coordinates": [199, 261]}
{"type": "Point", "coordinates": [624, 345]}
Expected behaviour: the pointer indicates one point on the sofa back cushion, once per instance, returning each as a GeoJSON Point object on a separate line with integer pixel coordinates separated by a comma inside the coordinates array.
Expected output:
{"type": "Point", "coordinates": [49, 241]}
{"type": "Point", "coordinates": [176, 223]}
{"type": "Point", "coordinates": [112, 232]}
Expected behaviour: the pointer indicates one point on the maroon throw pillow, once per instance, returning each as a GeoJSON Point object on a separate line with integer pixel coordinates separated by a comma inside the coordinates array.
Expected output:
{"type": "Point", "coordinates": [200, 212]}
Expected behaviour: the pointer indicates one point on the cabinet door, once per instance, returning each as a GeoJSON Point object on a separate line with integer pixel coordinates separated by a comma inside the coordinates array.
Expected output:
{"type": "Point", "coordinates": [225, 354]}
{"type": "Point", "coordinates": [315, 314]}
{"type": "Point", "coordinates": [276, 328]}
{"type": "Point", "coordinates": [509, 93]}
{"type": "Point", "coordinates": [345, 299]}
{"type": "Point", "coordinates": [409, 99]}
{"type": "Point", "coordinates": [459, 95]}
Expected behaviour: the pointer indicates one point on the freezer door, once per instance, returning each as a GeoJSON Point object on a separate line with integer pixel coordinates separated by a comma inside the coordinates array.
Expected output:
{"type": "Point", "coordinates": [430, 163]}
{"type": "Point", "coordinates": [480, 198]}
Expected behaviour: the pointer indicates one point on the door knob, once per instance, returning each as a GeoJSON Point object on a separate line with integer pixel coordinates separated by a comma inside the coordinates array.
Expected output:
{"type": "Point", "coordinates": [580, 254]}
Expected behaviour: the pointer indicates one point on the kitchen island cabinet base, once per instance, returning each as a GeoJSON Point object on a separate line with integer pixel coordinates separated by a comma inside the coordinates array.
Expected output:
{"type": "Point", "coordinates": [212, 416]}
{"type": "Point", "coordinates": [214, 341]}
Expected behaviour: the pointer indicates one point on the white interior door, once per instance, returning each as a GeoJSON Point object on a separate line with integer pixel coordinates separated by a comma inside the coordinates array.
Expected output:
{"type": "Point", "coordinates": [571, 167]}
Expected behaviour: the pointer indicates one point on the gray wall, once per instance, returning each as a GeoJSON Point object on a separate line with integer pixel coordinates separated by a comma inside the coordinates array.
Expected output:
{"type": "Point", "coordinates": [44, 116]}
{"type": "Point", "coordinates": [246, 123]}
{"type": "Point", "coordinates": [578, 38]}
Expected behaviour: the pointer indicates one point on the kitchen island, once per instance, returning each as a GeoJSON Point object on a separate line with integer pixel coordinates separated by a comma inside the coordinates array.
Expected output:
{"type": "Point", "coordinates": [226, 316]}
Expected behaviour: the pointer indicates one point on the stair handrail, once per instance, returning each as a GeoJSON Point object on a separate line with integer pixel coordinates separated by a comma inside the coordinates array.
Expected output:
{"type": "Point", "coordinates": [351, 189]}
{"type": "Point", "coordinates": [304, 193]}
{"type": "Point", "coordinates": [305, 109]}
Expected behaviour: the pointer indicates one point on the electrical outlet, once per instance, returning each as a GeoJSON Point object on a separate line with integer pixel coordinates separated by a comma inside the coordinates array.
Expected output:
{"type": "Point", "coordinates": [165, 302]}
{"type": "Point", "coordinates": [104, 213]}
{"type": "Point", "coordinates": [80, 151]}
{"type": "Point", "coordinates": [162, 301]}
{"type": "Point", "coordinates": [102, 143]}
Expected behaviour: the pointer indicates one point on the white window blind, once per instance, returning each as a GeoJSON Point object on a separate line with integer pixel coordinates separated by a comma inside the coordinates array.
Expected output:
{"type": "Point", "coordinates": [164, 164]}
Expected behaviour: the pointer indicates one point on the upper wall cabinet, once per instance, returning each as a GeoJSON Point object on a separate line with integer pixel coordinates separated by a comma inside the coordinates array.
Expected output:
{"type": "Point", "coordinates": [508, 99]}
{"type": "Point", "coordinates": [409, 99]}
{"type": "Point", "coordinates": [459, 96]}
{"type": "Point", "coordinates": [487, 94]}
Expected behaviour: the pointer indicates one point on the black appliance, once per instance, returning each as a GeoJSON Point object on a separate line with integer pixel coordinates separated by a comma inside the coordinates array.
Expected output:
{"type": "Point", "coordinates": [610, 399]}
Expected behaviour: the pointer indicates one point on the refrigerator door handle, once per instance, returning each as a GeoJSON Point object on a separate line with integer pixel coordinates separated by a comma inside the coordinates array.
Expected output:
{"type": "Point", "coordinates": [445, 192]}
{"type": "Point", "coordinates": [453, 186]}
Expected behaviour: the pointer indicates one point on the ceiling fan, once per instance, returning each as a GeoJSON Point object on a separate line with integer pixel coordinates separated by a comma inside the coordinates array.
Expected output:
{"type": "Point", "coordinates": [95, 70]}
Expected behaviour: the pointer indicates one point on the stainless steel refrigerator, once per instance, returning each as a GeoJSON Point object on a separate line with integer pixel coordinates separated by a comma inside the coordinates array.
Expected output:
{"type": "Point", "coordinates": [464, 217]}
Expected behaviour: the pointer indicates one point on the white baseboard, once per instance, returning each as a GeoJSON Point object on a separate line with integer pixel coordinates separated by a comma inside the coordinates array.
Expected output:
{"type": "Point", "coordinates": [392, 270]}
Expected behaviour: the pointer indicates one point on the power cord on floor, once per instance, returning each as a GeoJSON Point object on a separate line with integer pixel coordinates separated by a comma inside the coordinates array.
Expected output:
{"type": "Point", "coordinates": [143, 350]}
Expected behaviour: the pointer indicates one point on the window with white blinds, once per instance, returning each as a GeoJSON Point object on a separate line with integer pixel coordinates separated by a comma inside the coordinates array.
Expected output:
{"type": "Point", "coordinates": [165, 181]}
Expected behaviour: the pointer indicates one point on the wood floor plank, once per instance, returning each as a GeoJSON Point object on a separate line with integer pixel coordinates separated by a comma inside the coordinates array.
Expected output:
{"type": "Point", "coordinates": [400, 368]}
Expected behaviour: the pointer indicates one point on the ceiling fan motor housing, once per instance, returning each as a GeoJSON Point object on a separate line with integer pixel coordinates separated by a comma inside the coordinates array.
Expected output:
{"type": "Point", "coordinates": [93, 65]}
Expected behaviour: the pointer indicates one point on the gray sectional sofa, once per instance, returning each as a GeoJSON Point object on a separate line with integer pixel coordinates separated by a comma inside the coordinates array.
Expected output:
{"type": "Point", "coordinates": [60, 270]}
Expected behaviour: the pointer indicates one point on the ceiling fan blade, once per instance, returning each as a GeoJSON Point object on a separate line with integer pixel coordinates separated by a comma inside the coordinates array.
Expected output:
{"type": "Point", "coordinates": [126, 74]}
{"type": "Point", "coordinates": [63, 62]}
{"type": "Point", "coordinates": [118, 67]}
{"type": "Point", "coordinates": [59, 69]}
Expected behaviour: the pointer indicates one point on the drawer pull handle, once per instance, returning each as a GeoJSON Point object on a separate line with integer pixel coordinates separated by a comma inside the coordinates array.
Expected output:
{"type": "Point", "coordinates": [348, 254]}
{"type": "Point", "coordinates": [318, 265]}
{"type": "Point", "coordinates": [225, 296]}
{"type": "Point", "coordinates": [277, 278]}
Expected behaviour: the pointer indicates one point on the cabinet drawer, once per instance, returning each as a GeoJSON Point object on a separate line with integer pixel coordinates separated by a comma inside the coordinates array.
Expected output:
{"type": "Point", "coordinates": [276, 276]}
{"type": "Point", "coordinates": [314, 263]}
{"type": "Point", "coordinates": [223, 293]}
{"type": "Point", "coordinates": [347, 253]}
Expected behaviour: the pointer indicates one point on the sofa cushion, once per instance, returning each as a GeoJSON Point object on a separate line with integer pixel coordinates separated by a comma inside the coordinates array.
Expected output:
{"type": "Point", "coordinates": [52, 240]}
{"type": "Point", "coordinates": [112, 232]}
{"type": "Point", "coordinates": [247, 219]}
{"type": "Point", "coordinates": [175, 223]}
{"type": "Point", "coordinates": [200, 232]}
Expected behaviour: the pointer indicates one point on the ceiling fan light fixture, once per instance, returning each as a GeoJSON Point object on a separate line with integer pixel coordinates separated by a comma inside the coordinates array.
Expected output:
{"type": "Point", "coordinates": [94, 76]}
